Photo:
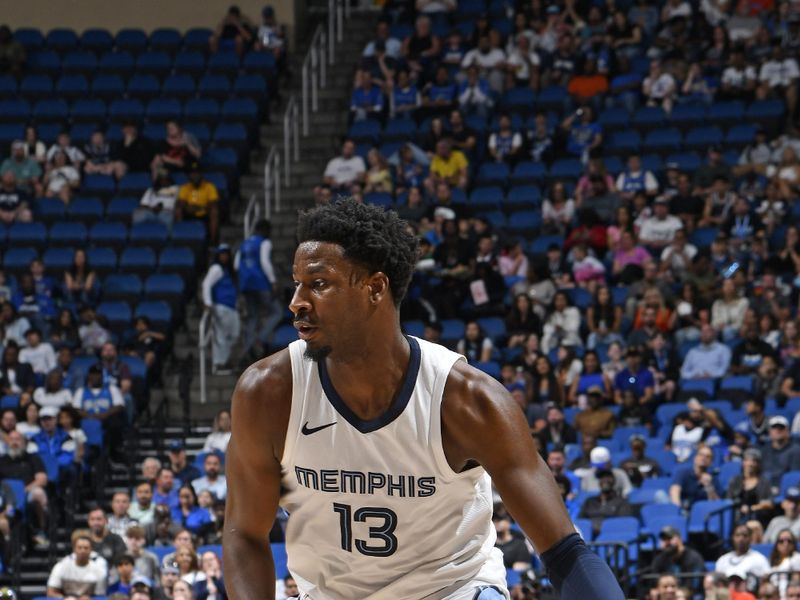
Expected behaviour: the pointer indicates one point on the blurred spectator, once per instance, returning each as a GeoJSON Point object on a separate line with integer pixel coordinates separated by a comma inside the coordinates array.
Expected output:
{"type": "Point", "coordinates": [727, 312]}
{"type": "Point", "coordinates": [781, 454]}
{"type": "Point", "coordinates": [742, 560]}
{"type": "Point", "coordinates": [198, 200]}
{"type": "Point", "coordinates": [107, 544]}
{"type": "Point", "coordinates": [562, 325]}
{"type": "Point", "coordinates": [635, 377]}
{"type": "Point", "coordinates": [103, 401]}
{"type": "Point", "coordinates": [158, 201]}
{"type": "Point", "coordinates": [12, 53]}
{"type": "Point", "coordinates": [133, 150]}
{"type": "Point", "coordinates": [145, 562]}
{"type": "Point", "coordinates": [212, 584]}
{"type": "Point", "coordinates": [342, 172]}
{"type": "Point", "coordinates": [18, 463]}
{"type": "Point", "coordinates": [79, 280]}
{"type": "Point", "coordinates": [516, 554]}
{"type": "Point", "coordinates": [659, 87]}
{"type": "Point", "coordinates": [187, 513]}
{"type": "Point", "coordinates": [541, 143]}
{"type": "Point", "coordinates": [607, 504]}
{"type": "Point", "coordinates": [53, 393]}
{"type": "Point", "coordinates": [757, 423]}
{"type": "Point", "coordinates": [383, 34]}
{"type": "Point", "coordinates": [219, 297]}
{"type": "Point", "coordinates": [27, 172]}
{"type": "Point", "coordinates": [14, 325]}
{"type": "Point", "coordinates": [595, 419]}
{"type": "Point", "coordinates": [697, 425]}
{"type": "Point", "coordinates": [92, 332]}
{"type": "Point", "coordinates": [751, 490]}
{"type": "Point", "coordinates": [557, 431]}
{"type": "Point", "coordinates": [636, 179]}
{"type": "Point", "coordinates": [178, 152]}
{"type": "Point", "coordinates": [379, 176]}
{"type": "Point", "coordinates": [69, 420]}
{"type": "Point", "coordinates": [695, 482]}
{"type": "Point", "coordinates": [217, 440]}
{"type": "Point", "coordinates": [789, 520]}
{"type": "Point", "coordinates": [119, 521]}
{"type": "Point", "coordinates": [271, 37]}
{"type": "Point", "coordinates": [142, 509]}
{"type": "Point", "coordinates": [558, 209]}
{"type": "Point", "coordinates": [750, 352]}
{"type": "Point", "coordinates": [405, 98]}
{"type": "Point", "coordinates": [123, 568]}
{"type": "Point", "coordinates": [490, 60]}
{"type": "Point", "coordinates": [675, 555]}
{"type": "Point", "coordinates": [169, 577]}
{"type": "Point", "coordinates": [659, 230]}
{"type": "Point", "coordinates": [14, 201]}
{"type": "Point", "coordinates": [421, 48]}
{"type": "Point", "coordinates": [64, 332]}
{"type": "Point", "coordinates": [600, 461]}
{"type": "Point", "coordinates": [546, 387]}
{"type": "Point", "coordinates": [447, 166]}
{"type": "Point", "coordinates": [150, 467]}
{"type": "Point", "coordinates": [16, 378]}
{"type": "Point", "coordinates": [584, 135]}
{"type": "Point", "coordinates": [34, 147]}
{"type": "Point", "coordinates": [98, 157]}
{"type": "Point", "coordinates": [710, 359]}
{"type": "Point", "coordinates": [38, 354]}
{"type": "Point", "coordinates": [505, 145]}
{"type": "Point", "coordinates": [638, 466]}
{"type": "Point", "coordinates": [35, 306]}
{"type": "Point", "coordinates": [366, 101]}
{"type": "Point", "coordinates": [82, 573]}
{"type": "Point", "coordinates": [234, 32]}
{"type": "Point", "coordinates": [29, 424]}
{"type": "Point", "coordinates": [184, 472]}
{"type": "Point", "coordinates": [523, 64]}
{"type": "Point", "coordinates": [475, 344]}
{"type": "Point", "coordinates": [165, 490]}
{"type": "Point", "coordinates": [56, 443]}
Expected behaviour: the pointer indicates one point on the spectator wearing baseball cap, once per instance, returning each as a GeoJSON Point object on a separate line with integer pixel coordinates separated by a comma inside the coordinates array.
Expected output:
{"type": "Point", "coordinates": [638, 466]}
{"type": "Point", "coordinates": [781, 454]}
{"type": "Point", "coordinates": [184, 471]}
{"type": "Point", "coordinates": [606, 504]}
{"type": "Point", "coordinates": [790, 519]}
{"type": "Point", "coordinates": [600, 459]}
{"type": "Point", "coordinates": [675, 555]}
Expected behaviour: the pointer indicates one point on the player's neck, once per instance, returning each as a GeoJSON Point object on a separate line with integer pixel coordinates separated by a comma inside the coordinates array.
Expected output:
{"type": "Point", "coordinates": [368, 381]}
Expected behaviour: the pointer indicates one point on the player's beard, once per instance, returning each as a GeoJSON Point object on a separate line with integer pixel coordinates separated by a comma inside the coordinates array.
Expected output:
{"type": "Point", "coordinates": [317, 354]}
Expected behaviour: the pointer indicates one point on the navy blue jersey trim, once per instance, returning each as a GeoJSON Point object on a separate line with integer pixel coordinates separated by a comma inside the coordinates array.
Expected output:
{"type": "Point", "coordinates": [394, 411]}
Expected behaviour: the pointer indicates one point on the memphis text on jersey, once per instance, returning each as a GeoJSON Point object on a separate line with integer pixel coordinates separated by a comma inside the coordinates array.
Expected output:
{"type": "Point", "coordinates": [338, 481]}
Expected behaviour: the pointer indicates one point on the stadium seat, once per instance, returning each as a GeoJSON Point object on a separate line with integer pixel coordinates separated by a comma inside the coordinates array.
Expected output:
{"type": "Point", "coordinates": [27, 234]}
{"type": "Point", "coordinates": [134, 184]}
{"type": "Point", "coordinates": [166, 39]}
{"type": "Point", "coordinates": [203, 110]}
{"type": "Point", "coordinates": [714, 516]}
{"type": "Point", "coordinates": [177, 259]}
{"type": "Point", "coordinates": [36, 86]}
{"type": "Point", "coordinates": [726, 112]}
{"type": "Point", "coordinates": [452, 330]}
{"type": "Point", "coordinates": [189, 63]}
{"type": "Point", "coordinates": [108, 234]}
{"type": "Point", "coordinates": [125, 287]}
{"type": "Point", "coordinates": [528, 172]}
{"type": "Point", "coordinates": [102, 260]}
{"type": "Point", "coordinates": [96, 40]}
{"type": "Point", "coordinates": [165, 286]}
{"type": "Point", "coordinates": [214, 86]}
{"type": "Point", "coordinates": [143, 86]}
{"type": "Point", "coordinates": [158, 312]}
{"type": "Point", "coordinates": [103, 186]}
{"type": "Point", "coordinates": [699, 138]}
{"type": "Point", "coordinates": [224, 61]}
{"type": "Point", "coordinates": [131, 40]}
{"type": "Point", "coordinates": [154, 63]}
{"type": "Point", "coordinates": [58, 259]}
{"type": "Point", "coordinates": [49, 210]}
{"type": "Point", "coordinates": [109, 87]}
{"type": "Point", "coordinates": [61, 39]}
{"type": "Point", "coordinates": [139, 260]}
{"type": "Point", "coordinates": [79, 62]}
{"type": "Point", "coordinates": [88, 109]}
{"type": "Point", "coordinates": [71, 87]}
{"type": "Point", "coordinates": [196, 39]}
{"type": "Point", "coordinates": [118, 315]}
{"type": "Point", "coordinates": [121, 208]}
{"type": "Point", "coordinates": [493, 173]}
{"type": "Point", "coordinates": [68, 234]}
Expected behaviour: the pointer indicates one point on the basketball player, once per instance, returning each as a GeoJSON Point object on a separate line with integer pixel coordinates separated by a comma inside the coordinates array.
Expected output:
{"type": "Point", "coordinates": [379, 444]}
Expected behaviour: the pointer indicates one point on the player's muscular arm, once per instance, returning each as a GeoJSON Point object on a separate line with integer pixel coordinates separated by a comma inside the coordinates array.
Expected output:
{"type": "Point", "coordinates": [482, 423]}
{"type": "Point", "coordinates": [260, 413]}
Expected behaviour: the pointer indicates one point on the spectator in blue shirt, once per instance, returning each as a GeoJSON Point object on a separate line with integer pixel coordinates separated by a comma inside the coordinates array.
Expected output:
{"type": "Point", "coordinates": [52, 440]}
{"type": "Point", "coordinates": [439, 96]}
{"type": "Point", "coordinates": [164, 491]}
{"type": "Point", "coordinates": [367, 100]}
{"type": "Point", "coordinates": [38, 308]}
{"type": "Point", "coordinates": [693, 483]}
{"type": "Point", "coordinates": [187, 512]}
{"type": "Point", "coordinates": [710, 359]}
{"type": "Point", "coordinates": [405, 97]}
{"type": "Point", "coordinates": [635, 377]}
{"type": "Point", "coordinates": [583, 134]}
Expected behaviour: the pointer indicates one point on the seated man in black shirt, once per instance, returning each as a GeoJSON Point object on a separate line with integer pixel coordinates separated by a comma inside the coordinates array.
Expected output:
{"type": "Point", "coordinates": [607, 504]}
{"type": "Point", "coordinates": [677, 557]}
{"type": "Point", "coordinates": [18, 463]}
{"type": "Point", "coordinates": [13, 200]}
{"type": "Point", "coordinates": [516, 554]}
{"type": "Point", "coordinates": [748, 354]}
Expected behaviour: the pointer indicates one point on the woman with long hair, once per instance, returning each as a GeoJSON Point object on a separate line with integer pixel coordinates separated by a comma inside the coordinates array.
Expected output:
{"type": "Point", "coordinates": [379, 176]}
{"type": "Point", "coordinates": [752, 491]}
{"type": "Point", "coordinates": [188, 565]}
{"type": "Point", "coordinates": [591, 376]}
{"type": "Point", "coordinates": [603, 318]}
{"type": "Point", "coordinates": [79, 279]}
{"type": "Point", "coordinates": [545, 384]}
{"type": "Point", "coordinates": [64, 332]}
{"type": "Point", "coordinates": [220, 434]}
{"type": "Point", "coordinates": [784, 559]}
{"type": "Point", "coordinates": [558, 209]}
{"type": "Point", "coordinates": [563, 324]}
{"type": "Point", "coordinates": [188, 514]}
{"type": "Point", "coordinates": [521, 320]}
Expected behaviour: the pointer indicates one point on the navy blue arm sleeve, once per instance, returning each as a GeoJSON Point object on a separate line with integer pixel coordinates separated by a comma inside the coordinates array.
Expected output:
{"type": "Point", "coordinates": [577, 572]}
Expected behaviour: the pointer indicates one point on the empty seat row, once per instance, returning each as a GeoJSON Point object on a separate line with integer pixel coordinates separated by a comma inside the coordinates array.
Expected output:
{"type": "Point", "coordinates": [69, 233]}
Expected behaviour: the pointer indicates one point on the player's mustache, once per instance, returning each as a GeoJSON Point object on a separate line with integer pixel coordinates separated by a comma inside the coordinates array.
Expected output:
{"type": "Point", "coordinates": [302, 321]}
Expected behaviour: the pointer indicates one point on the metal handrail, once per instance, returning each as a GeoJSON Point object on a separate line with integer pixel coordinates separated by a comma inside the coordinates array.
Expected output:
{"type": "Point", "coordinates": [314, 75]}
{"type": "Point", "coordinates": [252, 213]}
{"type": "Point", "coordinates": [272, 182]}
{"type": "Point", "coordinates": [204, 339]}
{"type": "Point", "coordinates": [291, 138]}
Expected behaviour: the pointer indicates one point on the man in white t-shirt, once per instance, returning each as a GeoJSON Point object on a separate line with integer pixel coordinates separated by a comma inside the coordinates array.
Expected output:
{"type": "Point", "coordinates": [634, 179]}
{"type": "Point", "coordinates": [738, 78]}
{"type": "Point", "coordinates": [39, 355]}
{"type": "Point", "coordinates": [659, 87]}
{"type": "Point", "coordinates": [82, 573]}
{"type": "Point", "coordinates": [659, 230]}
{"type": "Point", "coordinates": [490, 60]}
{"type": "Point", "coordinates": [677, 257]}
{"type": "Point", "coordinates": [779, 76]}
{"type": "Point", "coordinates": [742, 560]}
{"type": "Point", "coordinates": [345, 170]}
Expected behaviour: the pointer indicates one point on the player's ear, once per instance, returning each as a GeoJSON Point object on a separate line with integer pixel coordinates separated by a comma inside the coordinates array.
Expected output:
{"type": "Point", "coordinates": [378, 285]}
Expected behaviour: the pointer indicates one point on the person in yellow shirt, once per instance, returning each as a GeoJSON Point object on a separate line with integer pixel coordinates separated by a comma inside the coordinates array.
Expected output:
{"type": "Point", "coordinates": [448, 166]}
{"type": "Point", "coordinates": [198, 199]}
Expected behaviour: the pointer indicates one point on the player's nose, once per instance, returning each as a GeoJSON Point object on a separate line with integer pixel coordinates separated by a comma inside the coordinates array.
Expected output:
{"type": "Point", "coordinates": [299, 302]}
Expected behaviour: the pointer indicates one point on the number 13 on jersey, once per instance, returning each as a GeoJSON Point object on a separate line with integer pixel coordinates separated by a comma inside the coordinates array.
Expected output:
{"type": "Point", "coordinates": [382, 523]}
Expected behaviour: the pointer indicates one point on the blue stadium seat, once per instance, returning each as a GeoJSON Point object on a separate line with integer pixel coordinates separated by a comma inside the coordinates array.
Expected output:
{"type": "Point", "coordinates": [98, 185]}
{"type": "Point", "coordinates": [523, 197]}
{"type": "Point", "coordinates": [649, 117]}
{"type": "Point", "coordinates": [188, 233]}
{"type": "Point", "coordinates": [221, 159]}
{"type": "Point", "coordinates": [81, 132]}
{"type": "Point", "coordinates": [16, 260]}
{"type": "Point", "coordinates": [53, 109]}
{"type": "Point", "coordinates": [643, 495]}
{"type": "Point", "coordinates": [626, 141]}
{"type": "Point", "coordinates": [452, 330]}
{"type": "Point", "coordinates": [177, 259]}
{"type": "Point", "coordinates": [202, 110]}
{"type": "Point", "coordinates": [368, 130]}
{"type": "Point", "coordinates": [283, 336]}
{"type": "Point", "coordinates": [164, 286]}
{"type": "Point", "coordinates": [493, 173]}
{"type": "Point", "coordinates": [518, 100]}
{"type": "Point", "coordinates": [765, 110]}
{"type": "Point", "coordinates": [552, 98]}
{"type": "Point", "coordinates": [124, 109]}
{"type": "Point", "coordinates": [140, 260]}
{"type": "Point", "coordinates": [103, 260]}
{"type": "Point", "coordinates": [726, 112]}
{"type": "Point", "coordinates": [158, 312]}
{"type": "Point", "coordinates": [68, 233]}
{"type": "Point", "coordinates": [17, 487]}
{"type": "Point", "coordinates": [224, 61]}
{"type": "Point", "coordinates": [96, 40]}
{"type": "Point", "coordinates": [143, 86]}
{"type": "Point", "coordinates": [8, 87]}
{"type": "Point", "coordinates": [136, 366]}
{"type": "Point", "coordinates": [79, 62]}
{"type": "Point", "coordinates": [789, 479]}
{"type": "Point", "coordinates": [9, 401]}
{"type": "Point", "coordinates": [688, 115]}
{"type": "Point", "coordinates": [486, 198]}
{"type": "Point", "coordinates": [740, 135]}
{"type": "Point", "coordinates": [72, 86]}
{"type": "Point", "coordinates": [109, 86]}
{"type": "Point", "coordinates": [197, 39]}
{"type": "Point", "coordinates": [134, 184]}
{"type": "Point", "coordinates": [687, 161]}
{"type": "Point", "coordinates": [663, 140]}
{"type": "Point", "coordinates": [154, 63]}
{"type": "Point", "coordinates": [491, 368]}
{"type": "Point", "coordinates": [58, 259]}
{"type": "Point", "coordinates": [525, 222]}
{"type": "Point", "coordinates": [118, 314]}
{"type": "Point", "coordinates": [258, 62]}
{"type": "Point", "coordinates": [30, 38]}
{"type": "Point", "coordinates": [737, 382]}
{"type": "Point", "coordinates": [526, 172]}
{"type": "Point", "coordinates": [540, 244]}
{"type": "Point", "coordinates": [728, 471]}
{"type": "Point", "coordinates": [703, 388]}
{"type": "Point", "coordinates": [178, 86]}
{"type": "Point", "coordinates": [61, 39]}
{"type": "Point", "coordinates": [152, 233]}
{"type": "Point", "coordinates": [125, 287]}
{"type": "Point", "coordinates": [231, 134]}
{"type": "Point", "coordinates": [614, 118]}
{"type": "Point", "coordinates": [584, 527]}
{"type": "Point", "coordinates": [665, 413]}
{"type": "Point", "coordinates": [49, 210]}
{"type": "Point", "coordinates": [382, 199]}
{"type": "Point", "coordinates": [161, 110]}
{"type": "Point", "coordinates": [131, 40]}
{"type": "Point", "coordinates": [214, 86]}
{"type": "Point", "coordinates": [250, 86]}
{"type": "Point", "coordinates": [699, 138]}
{"type": "Point", "coordinates": [119, 63]}
{"type": "Point", "coordinates": [494, 327]}
{"type": "Point", "coordinates": [190, 63]}
{"type": "Point", "coordinates": [121, 208]}
{"type": "Point", "coordinates": [88, 109]}
{"type": "Point", "coordinates": [44, 62]}
{"type": "Point", "coordinates": [15, 110]}
{"type": "Point", "coordinates": [702, 517]}
{"type": "Point", "coordinates": [415, 328]}
{"type": "Point", "coordinates": [27, 234]}
{"type": "Point", "coordinates": [108, 234]}
{"type": "Point", "coordinates": [166, 39]}
{"type": "Point", "coordinates": [36, 86]}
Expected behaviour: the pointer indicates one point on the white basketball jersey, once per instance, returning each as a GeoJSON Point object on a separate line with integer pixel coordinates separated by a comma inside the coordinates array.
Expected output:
{"type": "Point", "coordinates": [376, 512]}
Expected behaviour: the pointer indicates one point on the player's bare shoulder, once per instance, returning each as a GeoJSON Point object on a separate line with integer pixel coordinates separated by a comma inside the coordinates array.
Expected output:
{"type": "Point", "coordinates": [262, 398]}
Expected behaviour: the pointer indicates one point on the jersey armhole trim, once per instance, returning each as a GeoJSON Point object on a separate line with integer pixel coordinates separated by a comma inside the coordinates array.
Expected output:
{"type": "Point", "coordinates": [295, 412]}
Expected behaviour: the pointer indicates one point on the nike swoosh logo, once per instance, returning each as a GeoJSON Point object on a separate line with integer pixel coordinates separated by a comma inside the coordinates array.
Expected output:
{"type": "Point", "coordinates": [306, 430]}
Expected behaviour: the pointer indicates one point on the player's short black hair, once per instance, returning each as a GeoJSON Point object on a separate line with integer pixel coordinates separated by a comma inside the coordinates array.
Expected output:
{"type": "Point", "coordinates": [370, 236]}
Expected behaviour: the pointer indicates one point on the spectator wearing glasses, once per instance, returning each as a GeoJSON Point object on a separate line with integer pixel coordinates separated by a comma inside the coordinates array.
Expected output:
{"type": "Point", "coordinates": [784, 559]}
